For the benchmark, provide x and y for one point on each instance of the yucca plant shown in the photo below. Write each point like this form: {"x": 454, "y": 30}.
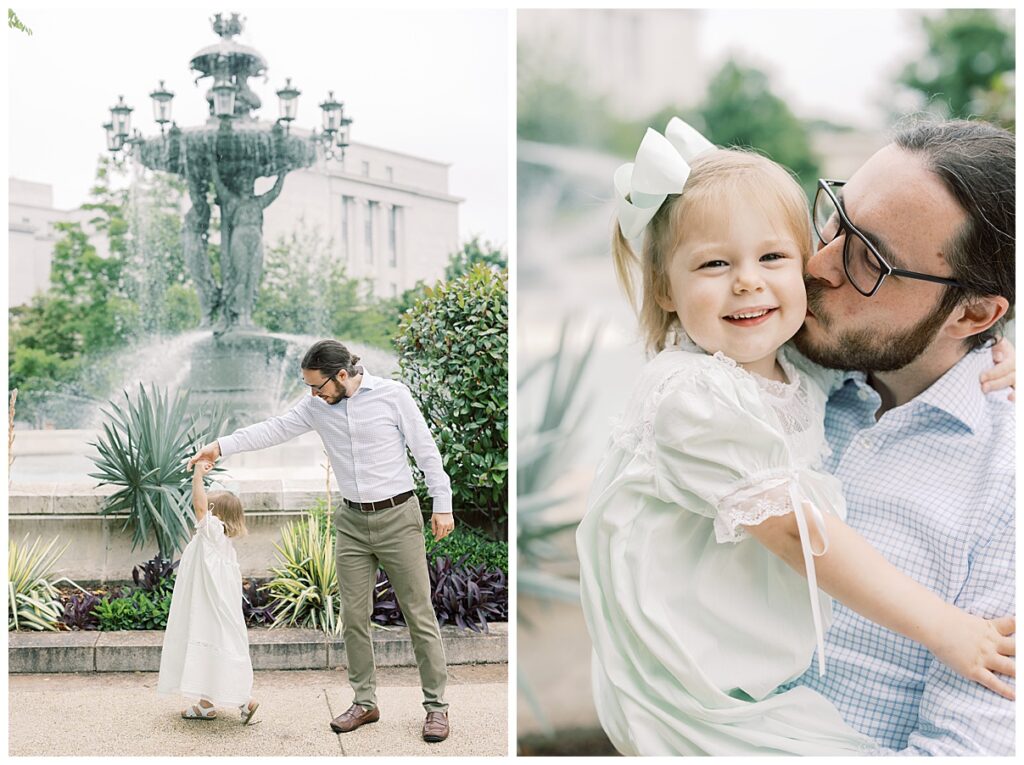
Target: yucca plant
{"x": 33, "y": 602}
{"x": 304, "y": 588}
{"x": 144, "y": 449}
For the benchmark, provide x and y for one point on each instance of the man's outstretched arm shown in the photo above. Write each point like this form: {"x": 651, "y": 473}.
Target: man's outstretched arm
{"x": 262, "y": 435}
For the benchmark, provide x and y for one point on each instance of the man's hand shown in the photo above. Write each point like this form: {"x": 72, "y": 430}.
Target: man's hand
{"x": 210, "y": 453}
{"x": 442, "y": 524}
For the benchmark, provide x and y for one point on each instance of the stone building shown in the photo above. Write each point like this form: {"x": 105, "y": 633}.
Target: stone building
{"x": 31, "y": 236}
{"x": 388, "y": 216}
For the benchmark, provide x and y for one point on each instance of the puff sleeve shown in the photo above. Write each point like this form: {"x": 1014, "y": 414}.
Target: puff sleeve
{"x": 719, "y": 452}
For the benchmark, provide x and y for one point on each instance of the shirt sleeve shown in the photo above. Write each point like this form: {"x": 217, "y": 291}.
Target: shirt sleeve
{"x": 271, "y": 432}
{"x": 719, "y": 453}
{"x": 424, "y": 450}
{"x": 958, "y": 716}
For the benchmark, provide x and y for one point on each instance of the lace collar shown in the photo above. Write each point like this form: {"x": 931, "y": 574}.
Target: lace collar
{"x": 782, "y": 391}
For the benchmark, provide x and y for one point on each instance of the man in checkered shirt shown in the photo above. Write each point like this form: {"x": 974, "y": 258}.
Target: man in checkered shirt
{"x": 912, "y": 278}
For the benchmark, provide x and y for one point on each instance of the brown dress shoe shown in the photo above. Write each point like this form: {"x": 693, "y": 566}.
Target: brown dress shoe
{"x": 435, "y": 728}
{"x": 353, "y": 717}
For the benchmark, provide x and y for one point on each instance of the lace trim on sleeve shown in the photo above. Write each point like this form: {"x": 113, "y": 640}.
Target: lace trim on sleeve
{"x": 751, "y": 506}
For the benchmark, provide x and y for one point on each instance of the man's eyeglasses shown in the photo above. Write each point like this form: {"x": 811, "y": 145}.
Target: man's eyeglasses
{"x": 320, "y": 387}
{"x": 865, "y": 267}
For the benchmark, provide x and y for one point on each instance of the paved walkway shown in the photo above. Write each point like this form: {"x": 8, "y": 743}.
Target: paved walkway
{"x": 121, "y": 714}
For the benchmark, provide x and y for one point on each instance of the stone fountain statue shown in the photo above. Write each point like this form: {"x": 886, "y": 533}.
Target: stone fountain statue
{"x": 228, "y": 154}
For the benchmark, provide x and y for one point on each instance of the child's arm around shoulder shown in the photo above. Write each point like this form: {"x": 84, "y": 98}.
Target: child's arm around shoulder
{"x": 199, "y": 501}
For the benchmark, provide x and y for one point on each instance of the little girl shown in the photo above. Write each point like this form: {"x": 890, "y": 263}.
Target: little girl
{"x": 694, "y": 623}
{"x": 206, "y": 646}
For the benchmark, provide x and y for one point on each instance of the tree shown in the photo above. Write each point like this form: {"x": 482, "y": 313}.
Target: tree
{"x": 740, "y": 109}
{"x": 968, "y": 68}
{"x": 474, "y": 251}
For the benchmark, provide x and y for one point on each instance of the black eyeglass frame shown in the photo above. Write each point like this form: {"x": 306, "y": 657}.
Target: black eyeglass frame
{"x": 886, "y": 269}
{"x": 320, "y": 387}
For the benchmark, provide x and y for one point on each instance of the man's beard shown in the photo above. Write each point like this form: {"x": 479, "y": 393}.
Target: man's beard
{"x": 862, "y": 349}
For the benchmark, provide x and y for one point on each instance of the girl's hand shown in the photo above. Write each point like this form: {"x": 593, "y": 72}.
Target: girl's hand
{"x": 978, "y": 648}
{"x": 203, "y": 467}
{"x": 1003, "y": 374}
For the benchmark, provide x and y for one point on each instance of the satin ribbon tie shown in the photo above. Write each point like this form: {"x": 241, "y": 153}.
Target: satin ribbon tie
{"x": 809, "y": 555}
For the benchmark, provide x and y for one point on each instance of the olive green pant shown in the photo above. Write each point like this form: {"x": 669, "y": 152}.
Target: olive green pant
{"x": 394, "y": 539}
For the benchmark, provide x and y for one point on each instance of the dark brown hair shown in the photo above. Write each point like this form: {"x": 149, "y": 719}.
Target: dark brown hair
{"x": 975, "y": 161}
{"x": 330, "y": 357}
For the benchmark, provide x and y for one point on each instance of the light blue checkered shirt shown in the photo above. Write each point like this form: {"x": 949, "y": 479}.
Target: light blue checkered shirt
{"x": 931, "y": 486}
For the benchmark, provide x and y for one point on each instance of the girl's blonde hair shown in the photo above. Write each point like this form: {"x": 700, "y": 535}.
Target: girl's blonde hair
{"x": 714, "y": 177}
{"x": 228, "y": 508}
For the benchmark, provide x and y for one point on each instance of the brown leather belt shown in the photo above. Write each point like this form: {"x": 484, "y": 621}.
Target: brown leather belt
{"x": 384, "y": 504}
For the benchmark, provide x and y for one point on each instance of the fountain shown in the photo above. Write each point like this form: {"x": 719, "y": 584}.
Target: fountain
{"x": 221, "y": 161}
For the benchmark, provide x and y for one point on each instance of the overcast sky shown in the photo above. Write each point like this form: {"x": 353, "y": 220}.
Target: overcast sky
{"x": 429, "y": 83}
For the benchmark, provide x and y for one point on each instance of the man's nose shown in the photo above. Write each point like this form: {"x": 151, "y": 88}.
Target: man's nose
{"x": 826, "y": 264}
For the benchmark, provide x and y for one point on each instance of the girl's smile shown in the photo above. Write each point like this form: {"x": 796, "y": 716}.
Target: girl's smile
{"x": 751, "y": 317}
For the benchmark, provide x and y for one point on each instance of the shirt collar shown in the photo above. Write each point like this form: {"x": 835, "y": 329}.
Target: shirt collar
{"x": 369, "y": 382}
{"x": 958, "y": 392}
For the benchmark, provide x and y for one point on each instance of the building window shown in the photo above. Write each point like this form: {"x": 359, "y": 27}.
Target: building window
{"x": 390, "y": 173}
{"x": 371, "y": 209}
{"x": 366, "y": 169}
{"x": 394, "y": 290}
{"x": 346, "y": 215}
{"x": 393, "y": 213}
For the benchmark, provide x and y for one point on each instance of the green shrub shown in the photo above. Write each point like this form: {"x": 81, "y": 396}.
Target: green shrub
{"x": 143, "y": 450}
{"x": 453, "y": 355}
{"x": 464, "y": 541}
{"x": 151, "y": 610}
{"x": 117, "y": 614}
{"x": 137, "y": 611}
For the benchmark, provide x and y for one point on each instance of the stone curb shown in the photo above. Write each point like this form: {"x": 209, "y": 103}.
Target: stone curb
{"x": 139, "y": 650}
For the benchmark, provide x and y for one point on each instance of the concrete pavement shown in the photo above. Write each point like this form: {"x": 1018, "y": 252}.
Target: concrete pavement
{"x": 121, "y": 714}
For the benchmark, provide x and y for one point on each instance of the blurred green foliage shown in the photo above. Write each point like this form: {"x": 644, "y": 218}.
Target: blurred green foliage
{"x": 968, "y": 68}
{"x": 738, "y": 109}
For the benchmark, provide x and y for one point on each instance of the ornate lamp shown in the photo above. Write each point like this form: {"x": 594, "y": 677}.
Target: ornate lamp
{"x": 288, "y": 101}
{"x": 161, "y": 105}
{"x": 113, "y": 139}
{"x": 121, "y": 117}
{"x": 331, "y": 114}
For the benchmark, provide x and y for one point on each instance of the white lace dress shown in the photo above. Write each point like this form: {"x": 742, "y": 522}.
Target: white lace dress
{"x": 206, "y": 646}
{"x": 694, "y": 623}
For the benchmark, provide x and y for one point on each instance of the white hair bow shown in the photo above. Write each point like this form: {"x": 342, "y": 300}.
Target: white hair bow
{"x": 661, "y": 168}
